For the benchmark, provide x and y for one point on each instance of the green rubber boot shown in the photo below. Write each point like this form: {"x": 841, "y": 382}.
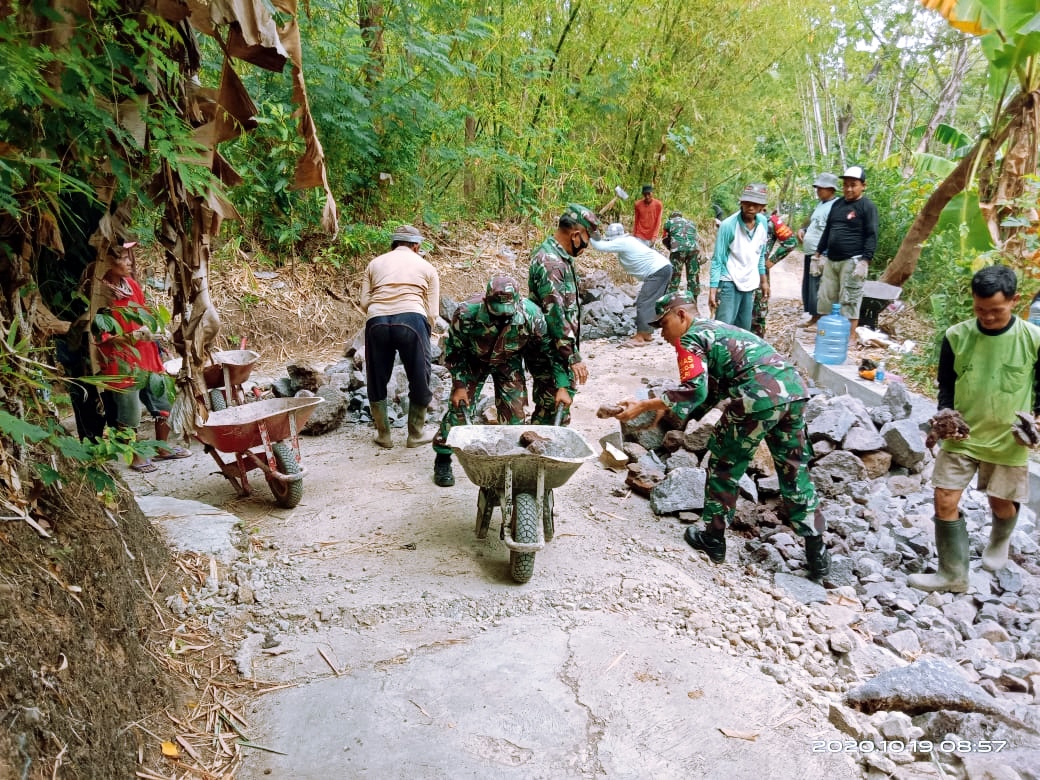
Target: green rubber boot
{"x": 951, "y": 542}
{"x": 995, "y": 556}
{"x": 416, "y": 420}
{"x": 382, "y": 423}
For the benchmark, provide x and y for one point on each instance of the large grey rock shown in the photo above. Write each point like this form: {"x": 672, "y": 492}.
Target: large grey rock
{"x": 327, "y": 416}
{"x": 832, "y": 425}
{"x": 834, "y": 471}
{"x": 905, "y": 441}
{"x": 862, "y": 439}
{"x": 925, "y": 685}
{"x": 681, "y": 490}
{"x": 866, "y": 661}
{"x": 799, "y": 588}
{"x": 897, "y": 401}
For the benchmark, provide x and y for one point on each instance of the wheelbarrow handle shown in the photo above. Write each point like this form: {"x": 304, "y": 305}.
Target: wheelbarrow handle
{"x": 464, "y": 408}
{"x": 560, "y": 411}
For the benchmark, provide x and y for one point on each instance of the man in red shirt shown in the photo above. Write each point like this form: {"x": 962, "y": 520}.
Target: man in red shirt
{"x": 647, "y": 226}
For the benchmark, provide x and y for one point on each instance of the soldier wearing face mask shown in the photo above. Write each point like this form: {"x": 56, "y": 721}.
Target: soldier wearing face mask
{"x": 552, "y": 284}
{"x": 493, "y": 335}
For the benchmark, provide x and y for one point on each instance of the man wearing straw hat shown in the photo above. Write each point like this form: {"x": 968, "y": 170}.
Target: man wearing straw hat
{"x": 400, "y": 296}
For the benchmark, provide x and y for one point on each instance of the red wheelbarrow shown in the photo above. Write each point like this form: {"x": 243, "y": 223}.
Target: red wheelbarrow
{"x": 223, "y": 377}
{"x": 261, "y": 435}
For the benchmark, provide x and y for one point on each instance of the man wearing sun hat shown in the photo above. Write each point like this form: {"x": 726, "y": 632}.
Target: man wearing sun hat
{"x": 826, "y": 185}
{"x": 766, "y": 402}
{"x": 491, "y": 336}
{"x": 552, "y": 283}
{"x": 400, "y": 296}
{"x": 738, "y": 266}
{"x": 847, "y": 246}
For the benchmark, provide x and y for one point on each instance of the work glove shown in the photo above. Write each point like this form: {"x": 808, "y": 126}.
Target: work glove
{"x": 816, "y": 266}
{"x": 947, "y": 424}
{"x": 1024, "y": 430}
{"x": 859, "y": 270}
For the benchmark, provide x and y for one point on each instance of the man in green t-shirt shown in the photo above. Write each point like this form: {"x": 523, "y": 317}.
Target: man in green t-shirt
{"x": 989, "y": 373}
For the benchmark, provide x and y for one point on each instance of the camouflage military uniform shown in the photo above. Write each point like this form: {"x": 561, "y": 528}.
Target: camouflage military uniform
{"x": 553, "y": 286}
{"x": 680, "y": 236}
{"x": 481, "y": 346}
{"x": 767, "y": 401}
{"x": 780, "y": 243}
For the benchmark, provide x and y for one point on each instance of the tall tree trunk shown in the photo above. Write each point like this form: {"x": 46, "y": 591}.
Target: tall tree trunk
{"x": 469, "y": 184}
{"x": 370, "y": 21}
{"x": 949, "y": 96}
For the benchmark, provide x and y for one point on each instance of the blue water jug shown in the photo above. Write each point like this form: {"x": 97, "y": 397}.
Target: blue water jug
{"x": 1034, "y": 312}
{"x": 832, "y": 338}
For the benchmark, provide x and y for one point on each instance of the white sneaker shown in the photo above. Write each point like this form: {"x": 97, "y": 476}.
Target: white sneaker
{"x": 806, "y": 316}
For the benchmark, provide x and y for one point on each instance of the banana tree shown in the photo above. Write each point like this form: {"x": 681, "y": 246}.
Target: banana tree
{"x": 1000, "y": 161}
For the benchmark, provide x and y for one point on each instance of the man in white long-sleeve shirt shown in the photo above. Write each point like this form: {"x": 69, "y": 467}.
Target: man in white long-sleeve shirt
{"x": 648, "y": 265}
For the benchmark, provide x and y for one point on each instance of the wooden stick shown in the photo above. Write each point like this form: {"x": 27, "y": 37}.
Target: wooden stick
{"x": 331, "y": 666}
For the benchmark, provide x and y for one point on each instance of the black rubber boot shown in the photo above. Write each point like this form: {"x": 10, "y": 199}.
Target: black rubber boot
{"x": 951, "y": 543}
{"x": 442, "y": 473}
{"x": 707, "y": 542}
{"x": 817, "y": 557}
{"x": 416, "y": 420}
{"x": 382, "y": 424}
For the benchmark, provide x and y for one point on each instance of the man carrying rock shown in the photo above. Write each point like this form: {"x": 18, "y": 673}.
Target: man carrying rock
{"x": 400, "y": 296}
{"x": 552, "y": 283}
{"x": 767, "y": 402}
{"x": 492, "y": 335}
{"x": 989, "y": 374}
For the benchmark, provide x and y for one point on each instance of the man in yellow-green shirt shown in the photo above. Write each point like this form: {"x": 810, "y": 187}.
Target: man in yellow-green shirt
{"x": 989, "y": 372}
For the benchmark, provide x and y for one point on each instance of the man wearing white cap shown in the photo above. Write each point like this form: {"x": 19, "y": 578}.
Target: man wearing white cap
{"x": 847, "y": 247}
{"x": 400, "y": 295}
{"x": 826, "y": 186}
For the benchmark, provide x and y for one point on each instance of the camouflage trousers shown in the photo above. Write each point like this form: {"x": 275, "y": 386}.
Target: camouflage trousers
{"x": 544, "y": 390}
{"x": 760, "y": 305}
{"x": 688, "y": 259}
{"x": 510, "y": 402}
{"x": 732, "y": 446}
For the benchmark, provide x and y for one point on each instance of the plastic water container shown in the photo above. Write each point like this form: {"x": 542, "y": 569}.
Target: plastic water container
{"x": 879, "y": 372}
{"x": 832, "y": 338}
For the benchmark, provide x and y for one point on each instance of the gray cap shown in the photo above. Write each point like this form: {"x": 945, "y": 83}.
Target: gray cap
{"x": 755, "y": 193}
{"x": 826, "y": 180}
{"x": 406, "y": 233}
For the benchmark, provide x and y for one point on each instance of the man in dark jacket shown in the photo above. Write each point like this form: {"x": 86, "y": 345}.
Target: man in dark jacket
{"x": 847, "y": 247}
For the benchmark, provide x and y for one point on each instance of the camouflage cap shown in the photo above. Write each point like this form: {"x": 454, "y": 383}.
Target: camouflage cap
{"x": 675, "y": 214}
{"x": 585, "y": 217}
{"x": 502, "y": 296}
{"x": 669, "y": 301}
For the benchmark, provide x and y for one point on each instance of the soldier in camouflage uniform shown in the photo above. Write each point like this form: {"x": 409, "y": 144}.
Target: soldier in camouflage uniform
{"x": 781, "y": 240}
{"x": 680, "y": 237}
{"x": 767, "y": 401}
{"x": 491, "y": 335}
{"x": 552, "y": 284}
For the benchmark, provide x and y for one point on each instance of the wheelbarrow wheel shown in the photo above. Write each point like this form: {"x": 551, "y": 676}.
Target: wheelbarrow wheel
{"x": 525, "y": 531}
{"x": 217, "y": 401}
{"x": 286, "y": 494}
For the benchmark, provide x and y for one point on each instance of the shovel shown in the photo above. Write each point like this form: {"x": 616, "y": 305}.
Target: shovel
{"x": 618, "y": 193}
